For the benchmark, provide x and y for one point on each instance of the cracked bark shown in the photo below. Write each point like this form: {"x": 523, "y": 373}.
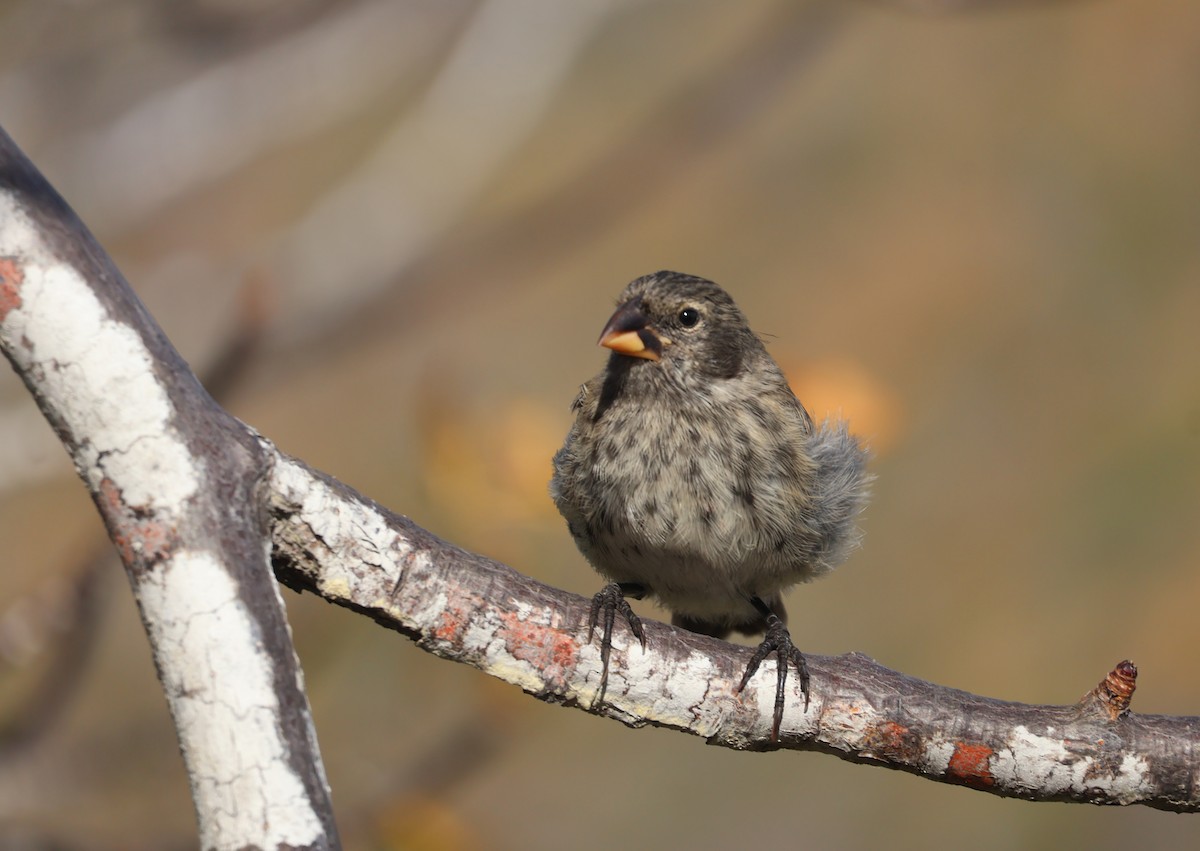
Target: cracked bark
{"x": 249, "y": 507}
{"x": 464, "y": 607}
{"x": 178, "y": 482}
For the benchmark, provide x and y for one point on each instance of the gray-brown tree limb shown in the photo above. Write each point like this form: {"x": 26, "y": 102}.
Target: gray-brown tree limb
{"x": 178, "y": 482}
{"x": 462, "y": 606}
{"x": 200, "y": 506}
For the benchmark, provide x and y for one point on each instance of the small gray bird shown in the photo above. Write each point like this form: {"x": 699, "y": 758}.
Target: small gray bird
{"x": 693, "y": 474}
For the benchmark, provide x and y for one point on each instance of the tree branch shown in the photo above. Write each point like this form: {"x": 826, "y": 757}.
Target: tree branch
{"x": 462, "y": 606}
{"x": 195, "y": 501}
{"x": 178, "y": 483}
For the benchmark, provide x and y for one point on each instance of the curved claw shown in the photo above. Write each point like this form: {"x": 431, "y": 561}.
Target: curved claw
{"x": 778, "y": 641}
{"x": 609, "y": 600}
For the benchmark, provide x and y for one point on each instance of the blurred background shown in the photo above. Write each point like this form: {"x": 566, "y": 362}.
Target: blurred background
{"x": 388, "y": 235}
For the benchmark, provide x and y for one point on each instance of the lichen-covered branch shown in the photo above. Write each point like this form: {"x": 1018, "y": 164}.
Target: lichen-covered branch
{"x": 178, "y": 483}
{"x": 462, "y": 606}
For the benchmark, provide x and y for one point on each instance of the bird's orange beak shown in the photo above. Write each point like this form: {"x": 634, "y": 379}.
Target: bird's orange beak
{"x": 628, "y": 333}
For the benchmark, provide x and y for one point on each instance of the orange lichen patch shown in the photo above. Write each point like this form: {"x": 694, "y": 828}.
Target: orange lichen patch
{"x": 893, "y": 742}
{"x": 149, "y": 540}
{"x": 110, "y": 496}
{"x": 547, "y": 649}
{"x": 454, "y": 621}
{"x": 12, "y": 277}
{"x": 970, "y": 764}
{"x": 140, "y": 541}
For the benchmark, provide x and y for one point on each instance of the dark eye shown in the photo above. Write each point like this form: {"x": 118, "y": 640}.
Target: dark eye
{"x": 688, "y": 317}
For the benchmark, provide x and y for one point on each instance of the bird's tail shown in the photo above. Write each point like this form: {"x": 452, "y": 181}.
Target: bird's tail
{"x": 843, "y": 486}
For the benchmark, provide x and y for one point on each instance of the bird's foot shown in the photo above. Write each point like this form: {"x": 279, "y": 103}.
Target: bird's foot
{"x": 609, "y": 601}
{"x": 778, "y": 641}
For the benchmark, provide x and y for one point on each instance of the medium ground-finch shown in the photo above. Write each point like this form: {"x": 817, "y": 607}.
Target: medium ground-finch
{"x": 693, "y": 474}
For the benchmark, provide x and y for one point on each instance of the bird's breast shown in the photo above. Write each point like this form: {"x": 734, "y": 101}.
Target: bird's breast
{"x": 681, "y": 498}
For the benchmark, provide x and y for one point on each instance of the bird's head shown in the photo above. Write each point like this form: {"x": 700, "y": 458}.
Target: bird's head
{"x": 683, "y": 323}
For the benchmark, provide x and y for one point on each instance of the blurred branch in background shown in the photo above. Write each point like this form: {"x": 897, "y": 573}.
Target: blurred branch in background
{"x": 182, "y": 137}
{"x": 697, "y": 115}
{"x": 946, "y": 7}
{"x": 362, "y": 231}
{"x": 393, "y": 206}
{"x": 367, "y": 257}
{"x": 52, "y": 632}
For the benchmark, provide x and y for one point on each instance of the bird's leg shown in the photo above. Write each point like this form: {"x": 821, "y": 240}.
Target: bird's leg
{"x": 778, "y": 641}
{"x": 610, "y": 600}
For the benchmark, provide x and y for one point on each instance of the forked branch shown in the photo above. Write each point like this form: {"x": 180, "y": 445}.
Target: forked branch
{"x": 196, "y": 502}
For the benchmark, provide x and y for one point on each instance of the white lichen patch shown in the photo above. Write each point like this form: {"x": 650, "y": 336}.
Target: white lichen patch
{"x": 479, "y": 634}
{"x": 96, "y": 374}
{"x": 219, "y": 681}
{"x": 355, "y": 535}
{"x": 938, "y": 753}
{"x": 1045, "y": 765}
{"x": 1137, "y": 784}
{"x": 670, "y": 694}
{"x": 851, "y": 722}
